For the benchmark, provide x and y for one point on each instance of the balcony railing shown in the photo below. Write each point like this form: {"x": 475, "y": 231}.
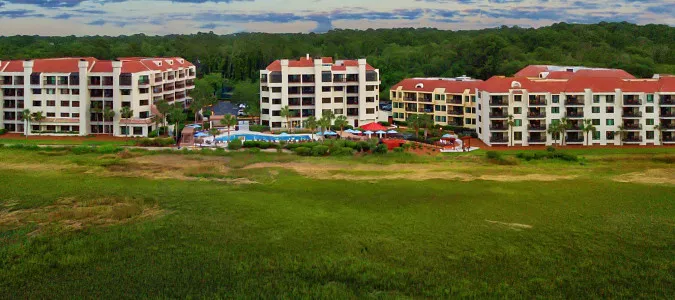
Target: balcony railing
{"x": 632, "y": 114}
{"x": 537, "y": 102}
{"x": 498, "y": 115}
{"x": 632, "y": 139}
{"x": 409, "y": 99}
{"x": 537, "y": 115}
{"x": 575, "y": 127}
{"x": 669, "y": 138}
{"x": 573, "y": 139}
{"x": 143, "y": 81}
{"x": 536, "y": 139}
{"x": 575, "y": 114}
{"x": 667, "y": 101}
{"x": 498, "y": 102}
{"x": 668, "y": 125}
{"x": 455, "y": 112}
{"x": 411, "y": 109}
{"x": 574, "y": 101}
{"x": 632, "y": 101}
{"x": 536, "y": 127}
{"x": 498, "y": 127}
{"x": 497, "y": 139}
{"x": 630, "y": 126}
{"x": 668, "y": 114}
{"x": 454, "y": 101}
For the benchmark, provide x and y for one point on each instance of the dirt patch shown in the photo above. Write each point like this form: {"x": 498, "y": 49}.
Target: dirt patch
{"x": 70, "y": 214}
{"x": 513, "y": 226}
{"x": 651, "y": 176}
{"x": 416, "y": 172}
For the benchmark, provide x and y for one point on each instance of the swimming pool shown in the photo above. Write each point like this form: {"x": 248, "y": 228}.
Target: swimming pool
{"x": 265, "y": 137}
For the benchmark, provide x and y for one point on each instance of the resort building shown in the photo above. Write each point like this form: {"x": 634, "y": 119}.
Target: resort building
{"x": 73, "y": 93}
{"x": 310, "y": 87}
{"x": 623, "y": 110}
{"x": 450, "y": 101}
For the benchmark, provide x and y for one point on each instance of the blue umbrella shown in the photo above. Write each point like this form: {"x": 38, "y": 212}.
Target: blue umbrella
{"x": 447, "y": 135}
{"x": 201, "y": 134}
{"x": 193, "y": 126}
{"x": 319, "y": 133}
{"x": 330, "y": 133}
{"x": 368, "y": 132}
{"x": 283, "y": 133}
{"x": 392, "y": 131}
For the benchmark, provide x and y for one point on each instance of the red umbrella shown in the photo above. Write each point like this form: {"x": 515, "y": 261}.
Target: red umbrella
{"x": 374, "y": 127}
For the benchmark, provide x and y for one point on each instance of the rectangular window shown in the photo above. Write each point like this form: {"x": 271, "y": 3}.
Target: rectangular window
{"x": 473, "y": 99}
{"x": 338, "y": 111}
{"x": 517, "y": 136}
{"x": 144, "y": 102}
{"x": 516, "y": 110}
{"x": 65, "y": 115}
{"x": 370, "y": 99}
{"x": 518, "y": 122}
{"x": 144, "y": 114}
{"x": 650, "y": 135}
{"x": 65, "y": 103}
{"x": 370, "y": 88}
{"x": 37, "y": 91}
{"x": 125, "y": 92}
{"x": 556, "y": 99}
{"x": 609, "y": 109}
{"x": 64, "y": 91}
{"x": 337, "y": 100}
{"x": 467, "y": 110}
{"x": 555, "y": 110}
{"x": 596, "y": 99}
{"x": 276, "y": 90}
{"x": 51, "y": 114}
{"x": 595, "y": 109}
{"x": 276, "y": 113}
{"x": 325, "y": 100}
{"x": 265, "y": 100}
{"x": 51, "y": 102}
{"x": 650, "y": 98}
{"x": 596, "y": 135}
{"x": 596, "y": 122}
{"x": 276, "y": 101}
{"x": 517, "y": 98}
{"x": 143, "y": 90}
{"x": 50, "y": 91}
{"x": 325, "y": 89}
{"x": 75, "y": 92}
{"x": 342, "y": 88}
{"x": 75, "y": 115}
{"x": 650, "y": 121}
{"x": 609, "y": 122}
{"x": 138, "y": 130}
{"x": 370, "y": 110}
{"x": 75, "y": 104}
{"x": 649, "y": 109}
{"x": 609, "y": 99}
{"x": 609, "y": 135}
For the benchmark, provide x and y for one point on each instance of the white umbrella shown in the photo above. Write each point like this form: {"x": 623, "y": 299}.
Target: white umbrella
{"x": 381, "y": 132}
{"x": 368, "y": 132}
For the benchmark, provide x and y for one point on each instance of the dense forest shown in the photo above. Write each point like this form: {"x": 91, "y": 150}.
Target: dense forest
{"x": 398, "y": 53}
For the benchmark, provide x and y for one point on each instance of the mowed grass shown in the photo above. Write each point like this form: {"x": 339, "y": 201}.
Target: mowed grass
{"x": 74, "y": 141}
{"x": 298, "y": 237}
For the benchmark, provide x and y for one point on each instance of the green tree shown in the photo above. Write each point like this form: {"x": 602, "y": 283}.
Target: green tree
{"x": 26, "y": 118}
{"x": 564, "y": 125}
{"x": 163, "y": 108}
{"x": 157, "y": 120}
{"x": 214, "y": 132}
{"x": 38, "y": 117}
{"x": 202, "y": 96}
{"x": 177, "y": 116}
{"x": 286, "y": 113}
{"x": 108, "y": 115}
{"x": 96, "y": 109}
{"x": 510, "y": 124}
{"x": 126, "y": 113}
{"x": 659, "y": 128}
{"x": 622, "y": 133}
{"x": 311, "y": 123}
{"x": 341, "y": 122}
{"x": 554, "y": 129}
{"x": 415, "y": 122}
{"x": 588, "y": 128}
{"x": 228, "y": 121}
{"x": 325, "y": 122}
{"x": 426, "y": 122}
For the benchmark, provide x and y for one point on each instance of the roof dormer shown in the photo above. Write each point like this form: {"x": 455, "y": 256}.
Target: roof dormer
{"x": 419, "y": 86}
{"x": 515, "y": 85}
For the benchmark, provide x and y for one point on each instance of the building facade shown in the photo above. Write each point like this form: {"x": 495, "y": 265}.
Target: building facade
{"x": 72, "y": 93}
{"x": 310, "y": 87}
{"x": 449, "y": 101}
{"x": 623, "y": 110}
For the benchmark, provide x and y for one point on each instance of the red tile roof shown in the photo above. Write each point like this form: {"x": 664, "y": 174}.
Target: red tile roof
{"x": 577, "y": 84}
{"x": 667, "y": 84}
{"x": 642, "y": 85}
{"x": 598, "y": 85}
{"x": 501, "y": 84}
{"x": 338, "y": 68}
{"x": 327, "y": 60}
{"x": 617, "y": 73}
{"x": 303, "y": 62}
{"x": 13, "y": 66}
{"x": 102, "y": 66}
{"x": 70, "y": 65}
{"x": 59, "y": 65}
{"x": 531, "y": 71}
{"x": 133, "y": 67}
{"x": 275, "y": 66}
{"x": 553, "y": 86}
{"x": 429, "y": 85}
{"x": 559, "y": 75}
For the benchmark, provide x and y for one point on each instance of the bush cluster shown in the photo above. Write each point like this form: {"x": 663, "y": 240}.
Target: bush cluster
{"x": 3, "y": 131}
{"x": 497, "y": 158}
{"x": 154, "y": 142}
{"x": 259, "y": 144}
{"x": 234, "y": 144}
{"x": 549, "y": 154}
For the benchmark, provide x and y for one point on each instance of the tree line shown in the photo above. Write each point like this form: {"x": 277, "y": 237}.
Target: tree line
{"x": 398, "y": 53}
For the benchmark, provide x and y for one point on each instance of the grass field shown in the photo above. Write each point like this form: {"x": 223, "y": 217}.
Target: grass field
{"x": 158, "y": 225}
{"x": 72, "y": 141}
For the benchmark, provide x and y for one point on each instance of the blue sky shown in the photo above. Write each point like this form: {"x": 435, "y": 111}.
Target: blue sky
{"x": 115, "y": 17}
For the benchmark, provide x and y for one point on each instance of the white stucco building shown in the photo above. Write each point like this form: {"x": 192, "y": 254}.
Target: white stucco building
{"x": 310, "y": 87}
{"x": 72, "y": 92}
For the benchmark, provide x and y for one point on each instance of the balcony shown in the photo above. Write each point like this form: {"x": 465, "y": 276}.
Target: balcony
{"x": 158, "y": 78}
{"x": 575, "y": 126}
{"x": 536, "y": 127}
{"x": 498, "y": 127}
{"x": 455, "y": 112}
{"x": 574, "y": 139}
{"x": 143, "y": 81}
{"x": 632, "y": 126}
{"x": 499, "y": 140}
{"x": 411, "y": 109}
{"x": 632, "y": 101}
{"x": 498, "y": 102}
{"x": 574, "y": 101}
{"x": 537, "y": 115}
{"x": 537, "y": 102}
{"x": 668, "y": 126}
{"x": 632, "y": 139}
{"x": 499, "y": 115}
{"x": 425, "y": 110}
{"x": 669, "y": 139}
{"x": 667, "y": 101}
{"x": 574, "y": 114}
{"x": 537, "y": 140}
{"x": 632, "y": 114}
{"x": 667, "y": 114}
{"x": 454, "y": 100}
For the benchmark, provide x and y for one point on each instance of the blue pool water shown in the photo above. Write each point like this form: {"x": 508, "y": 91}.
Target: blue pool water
{"x": 261, "y": 137}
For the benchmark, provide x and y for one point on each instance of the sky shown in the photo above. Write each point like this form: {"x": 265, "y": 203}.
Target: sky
{"x": 161, "y": 17}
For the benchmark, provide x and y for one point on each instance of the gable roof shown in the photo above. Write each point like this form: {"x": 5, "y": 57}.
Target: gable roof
{"x": 565, "y": 72}
{"x": 305, "y": 62}
{"x": 60, "y": 65}
{"x": 430, "y": 84}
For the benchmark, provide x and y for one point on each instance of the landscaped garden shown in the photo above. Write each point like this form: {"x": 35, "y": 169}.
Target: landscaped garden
{"x": 116, "y": 223}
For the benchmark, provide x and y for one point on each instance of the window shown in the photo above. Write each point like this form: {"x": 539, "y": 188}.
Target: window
{"x": 480, "y": 119}
{"x": 609, "y": 135}
{"x": 144, "y": 102}
{"x": 75, "y": 104}
{"x": 276, "y": 124}
{"x": 518, "y": 122}
{"x": 138, "y": 130}
{"x": 649, "y": 109}
{"x": 556, "y": 99}
{"x": 517, "y": 98}
{"x": 609, "y": 109}
{"x": 51, "y": 102}
{"x": 142, "y": 91}
{"x": 50, "y": 91}
{"x": 650, "y": 121}
{"x": 467, "y": 110}
{"x": 650, "y": 98}
{"x": 51, "y": 114}
{"x": 517, "y": 136}
{"x": 37, "y": 91}
{"x": 75, "y": 115}
{"x": 325, "y": 111}
{"x": 65, "y": 103}
{"x": 370, "y": 88}
{"x": 126, "y": 104}
{"x": 596, "y": 99}
{"x": 325, "y": 100}
{"x": 370, "y": 110}
{"x": 337, "y": 100}
{"x": 265, "y": 88}
{"x": 596, "y": 135}
{"x": 596, "y": 122}
{"x": 370, "y": 99}
{"x": 338, "y": 111}
{"x": 609, "y": 122}
{"x": 609, "y": 98}
{"x": 516, "y": 110}
{"x": 64, "y": 91}
{"x": 276, "y": 90}
{"x": 65, "y": 115}
{"x": 467, "y": 121}
{"x": 265, "y": 99}
{"x": 276, "y": 113}
{"x": 339, "y": 88}
{"x": 555, "y": 110}
{"x": 125, "y": 92}
{"x": 480, "y": 106}
{"x": 276, "y": 101}
{"x": 144, "y": 114}
{"x": 75, "y": 92}
{"x": 595, "y": 109}
{"x": 473, "y": 99}
{"x": 265, "y": 111}
{"x": 650, "y": 134}
{"x": 325, "y": 89}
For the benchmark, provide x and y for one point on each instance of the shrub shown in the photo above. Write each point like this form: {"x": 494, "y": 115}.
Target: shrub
{"x": 319, "y": 150}
{"x": 303, "y": 151}
{"x": 234, "y": 144}
{"x": 253, "y": 150}
{"x": 3, "y": 131}
{"x": 251, "y": 144}
{"x": 82, "y": 150}
{"x": 259, "y": 128}
{"x": 406, "y": 146}
{"x": 364, "y": 146}
{"x": 493, "y": 155}
{"x": 108, "y": 149}
{"x": 550, "y": 149}
{"x": 383, "y": 123}
{"x": 474, "y": 135}
{"x": 401, "y": 123}
{"x": 154, "y": 142}
{"x": 380, "y": 149}
{"x": 398, "y": 149}
{"x": 153, "y": 134}
{"x": 342, "y": 151}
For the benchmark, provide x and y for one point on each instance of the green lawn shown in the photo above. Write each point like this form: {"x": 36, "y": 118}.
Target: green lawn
{"x": 292, "y": 236}
{"x": 64, "y": 142}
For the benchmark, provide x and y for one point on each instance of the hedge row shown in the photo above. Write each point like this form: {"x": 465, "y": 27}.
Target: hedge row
{"x": 154, "y": 142}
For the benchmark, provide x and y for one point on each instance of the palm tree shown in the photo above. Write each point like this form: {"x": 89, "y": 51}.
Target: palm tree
{"x": 341, "y": 122}
{"x": 414, "y": 121}
{"x": 157, "y": 120}
{"x": 95, "y": 109}
{"x": 311, "y": 124}
{"x": 324, "y": 123}
{"x": 228, "y": 121}
{"x": 426, "y": 122}
{"x": 26, "y": 118}
{"x": 659, "y": 129}
{"x": 286, "y": 113}
{"x": 588, "y": 127}
{"x": 621, "y": 132}
{"x": 38, "y": 117}
{"x": 511, "y": 123}
{"x": 554, "y": 129}
{"x": 126, "y": 113}
{"x": 108, "y": 114}
{"x": 163, "y": 108}
{"x": 177, "y": 115}
{"x": 214, "y": 132}
{"x": 564, "y": 125}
